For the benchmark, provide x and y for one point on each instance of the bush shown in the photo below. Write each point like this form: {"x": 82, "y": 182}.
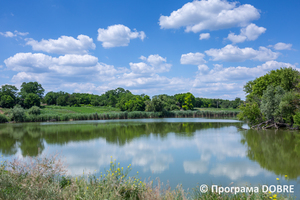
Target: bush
{"x": 297, "y": 118}
{"x": 34, "y": 110}
{"x": 3, "y": 118}
{"x": 18, "y": 113}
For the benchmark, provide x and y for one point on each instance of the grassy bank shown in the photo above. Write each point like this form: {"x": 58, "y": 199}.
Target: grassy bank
{"x": 44, "y": 178}
{"x": 58, "y": 113}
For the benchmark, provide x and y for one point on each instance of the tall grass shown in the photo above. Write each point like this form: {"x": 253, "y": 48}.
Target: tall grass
{"x": 44, "y": 178}
{"x": 119, "y": 115}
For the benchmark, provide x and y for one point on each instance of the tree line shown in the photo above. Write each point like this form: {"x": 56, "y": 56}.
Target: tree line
{"x": 32, "y": 94}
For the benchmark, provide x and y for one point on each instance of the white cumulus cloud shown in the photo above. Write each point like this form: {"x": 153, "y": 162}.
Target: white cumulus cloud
{"x": 152, "y": 64}
{"x": 192, "y": 59}
{"x": 282, "y": 46}
{"x": 204, "y": 36}
{"x": 233, "y": 53}
{"x": 209, "y": 15}
{"x": 118, "y": 35}
{"x": 63, "y": 45}
{"x": 250, "y": 33}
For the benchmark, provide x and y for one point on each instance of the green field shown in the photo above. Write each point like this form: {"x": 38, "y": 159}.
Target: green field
{"x": 59, "y": 110}
{"x": 218, "y": 109}
{"x": 84, "y": 109}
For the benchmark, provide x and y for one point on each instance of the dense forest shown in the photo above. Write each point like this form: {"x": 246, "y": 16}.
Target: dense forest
{"x": 273, "y": 100}
{"x": 31, "y": 94}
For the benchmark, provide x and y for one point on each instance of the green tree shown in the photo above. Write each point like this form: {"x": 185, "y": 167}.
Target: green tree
{"x": 189, "y": 101}
{"x": 287, "y": 78}
{"x": 50, "y": 98}
{"x": 270, "y": 102}
{"x": 62, "y": 100}
{"x": 7, "y": 101}
{"x": 73, "y": 101}
{"x": 251, "y": 113}
{"x": 9, "y": 90}
{"x": 155, "y": 105}
{"x": 31, "y": 87}
{"x": 32, "y": 99}
{"x": 288, "y": 106}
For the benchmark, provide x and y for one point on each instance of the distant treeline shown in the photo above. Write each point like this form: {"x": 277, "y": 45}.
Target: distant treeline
{"x": 31, "y": 94}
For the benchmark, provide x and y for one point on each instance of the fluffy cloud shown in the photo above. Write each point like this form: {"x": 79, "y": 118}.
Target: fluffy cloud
{"x": 38, "y": 62}
{"x": 26, "y": 77}
{"x": 64, "y": 45}
{"x": 209, "y": 15}
{"x": 152, "y": 64}
{"x": 69, "y": 68}
{"x": 232, "y": 53}
{"x": 282, "y": 46}
{"x": 118, "y": 35}
{"x": 251, "y": 32}
{"x": 204, "y": 36}
{"x": 192, "y": 59}
{"x": 221, "y": 82}
{"x": 15, "y": 34}
{"x": 234, "y": 74}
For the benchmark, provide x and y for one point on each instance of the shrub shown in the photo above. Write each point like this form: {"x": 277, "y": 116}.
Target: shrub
{"x": 34, "y": 110}
{"x": 297, "y": 118}
{"x": 18, "y": 113}
{"x": 3, "y": 118}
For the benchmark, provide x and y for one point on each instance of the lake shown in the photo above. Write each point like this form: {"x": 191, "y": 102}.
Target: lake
{"x": 187, "y": 151}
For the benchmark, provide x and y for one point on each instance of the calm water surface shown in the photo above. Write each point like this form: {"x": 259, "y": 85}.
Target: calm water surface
{"x": 187, "y": 151}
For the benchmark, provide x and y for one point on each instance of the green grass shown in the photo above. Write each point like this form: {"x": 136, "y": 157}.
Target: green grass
{"x": 66, "y": 113}
{"x": 58, "y": 110}
{"x": 218, "y": 109}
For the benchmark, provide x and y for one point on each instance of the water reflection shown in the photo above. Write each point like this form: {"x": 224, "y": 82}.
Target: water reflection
{"x": 29, "y": 137}
{"x": 276, "y": 151}
{"x": 184, "y": 151}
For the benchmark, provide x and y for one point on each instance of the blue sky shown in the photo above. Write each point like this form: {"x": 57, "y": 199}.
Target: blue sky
{"x": 209, "y": 47}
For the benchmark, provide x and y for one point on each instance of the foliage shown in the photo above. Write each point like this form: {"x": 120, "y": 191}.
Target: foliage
{"x": 270, "y": 102}
{"x": 155, "y": 105}
{"x": 287, "y": 78}
{"x": 9, "y": 90}
{"x": 276, "y": 94}
{"x": 31, "y": 87}
{"x": 51, "y": 97}
{"x": 73, "y": 101}
{"x": 186, "y": 100}
{"x": 296, "y": 118}
{"x": 62, "y": 100}
{"x": 34, "y": 110}
{"x": 189, "y": 101}
{"x": 7, "y": 101}
{"x": 250, "y": 112}
{"x": 32, "y": 100}
{"x": 288, "y": 106}
{"x": 18, "y": 113}
{"x": 3, "y": 118}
